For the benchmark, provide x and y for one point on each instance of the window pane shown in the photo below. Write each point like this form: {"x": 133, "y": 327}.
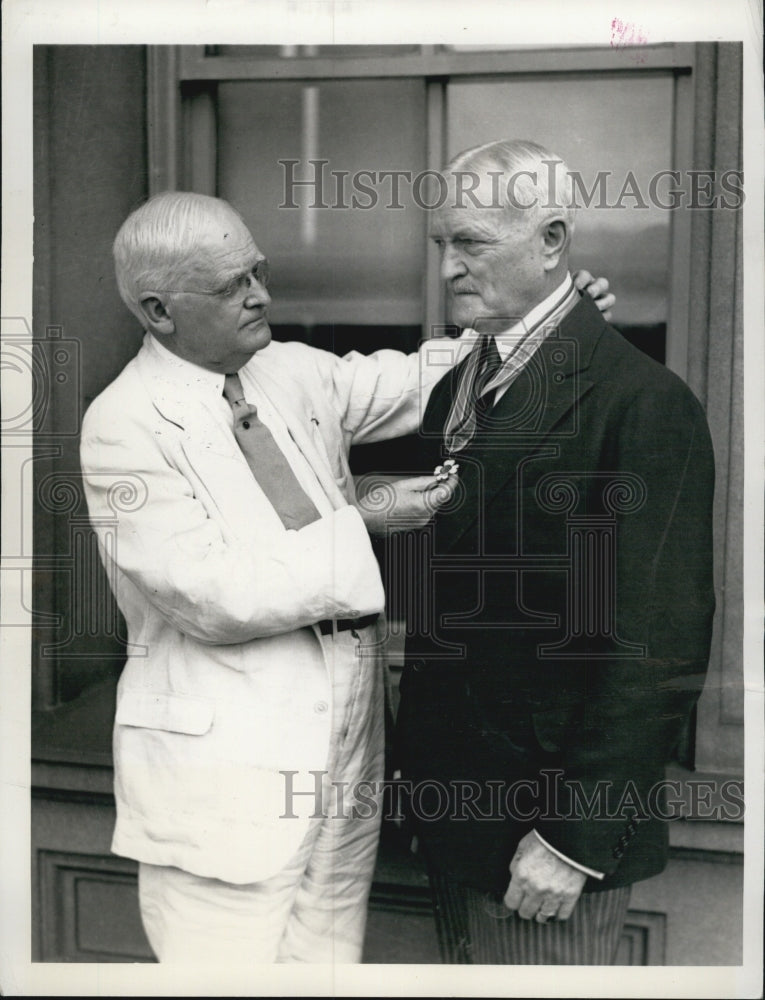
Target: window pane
{"x": 335, "y": 264}
{"x": 613, "y": 124}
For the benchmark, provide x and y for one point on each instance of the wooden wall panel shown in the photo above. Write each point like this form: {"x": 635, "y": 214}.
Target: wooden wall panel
{"x": 84, "y": 898}
{"x": 89, "y": 907}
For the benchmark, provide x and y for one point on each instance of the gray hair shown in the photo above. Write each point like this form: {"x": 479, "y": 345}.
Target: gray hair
{"x": 155, "y": 243}
{"x": 547, "y": 187}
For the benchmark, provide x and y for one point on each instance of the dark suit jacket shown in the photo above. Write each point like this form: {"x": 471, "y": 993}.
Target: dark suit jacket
{"x": 564, "y": 616}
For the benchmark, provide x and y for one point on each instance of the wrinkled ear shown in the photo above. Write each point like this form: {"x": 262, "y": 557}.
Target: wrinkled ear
{"x": 555, "y": 237}
{"x": 156, "y": 314}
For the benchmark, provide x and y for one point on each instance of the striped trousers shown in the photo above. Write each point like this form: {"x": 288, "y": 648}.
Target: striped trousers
{"x": 475, "y": 928}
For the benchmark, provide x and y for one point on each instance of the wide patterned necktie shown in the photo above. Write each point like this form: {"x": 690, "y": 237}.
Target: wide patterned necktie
{"x": 267, "y": 461}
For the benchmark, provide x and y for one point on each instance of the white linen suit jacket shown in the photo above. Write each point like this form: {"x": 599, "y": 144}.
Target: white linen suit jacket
{"x": 226, "y": 682}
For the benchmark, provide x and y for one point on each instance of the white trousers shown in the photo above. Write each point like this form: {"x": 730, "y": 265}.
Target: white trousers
{"x": 314, "y": 909}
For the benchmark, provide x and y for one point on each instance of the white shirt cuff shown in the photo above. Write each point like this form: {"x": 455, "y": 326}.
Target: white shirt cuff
{"x": 574, "y": 864}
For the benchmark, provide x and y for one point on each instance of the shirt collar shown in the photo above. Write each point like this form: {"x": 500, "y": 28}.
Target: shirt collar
{"x": 186, "y": 372}
{"x": 508, "y": 339}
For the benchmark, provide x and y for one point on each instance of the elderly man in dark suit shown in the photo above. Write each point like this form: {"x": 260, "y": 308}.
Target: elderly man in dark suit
{"x": 566, "y": 631}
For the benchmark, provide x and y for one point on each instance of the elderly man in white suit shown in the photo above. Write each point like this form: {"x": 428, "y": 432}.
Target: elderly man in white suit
{"x": 255, "y": 667}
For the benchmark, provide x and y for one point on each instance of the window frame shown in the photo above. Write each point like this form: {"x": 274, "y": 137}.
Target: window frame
{"x": 182, "y": 124}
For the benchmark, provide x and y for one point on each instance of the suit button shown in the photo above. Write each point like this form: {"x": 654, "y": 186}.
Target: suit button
{"x": 354, "y": 614}
{"x": 320, "y": 707}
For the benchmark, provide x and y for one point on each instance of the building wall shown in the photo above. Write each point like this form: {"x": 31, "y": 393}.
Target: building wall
{"x": 90, "y": 171}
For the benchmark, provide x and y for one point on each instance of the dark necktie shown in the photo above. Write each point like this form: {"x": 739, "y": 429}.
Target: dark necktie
{"x": 267, "y": 461}
{"x": 471, "y": 401}
{"x": 491, "y": 362}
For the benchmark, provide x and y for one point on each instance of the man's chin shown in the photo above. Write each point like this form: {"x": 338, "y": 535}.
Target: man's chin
{"x": 465, "y": 310}
{"x": 260, "y": 331}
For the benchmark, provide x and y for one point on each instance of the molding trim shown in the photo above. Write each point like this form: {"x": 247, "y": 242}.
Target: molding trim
{"x": 163, "y": 118}
{"x": 196, "y": 64}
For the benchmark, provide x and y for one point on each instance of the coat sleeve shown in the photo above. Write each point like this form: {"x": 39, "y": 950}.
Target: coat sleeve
{"x": 384, "y": 394}
{"x": 203, "y": 583}
{"x": 615, "y": 747}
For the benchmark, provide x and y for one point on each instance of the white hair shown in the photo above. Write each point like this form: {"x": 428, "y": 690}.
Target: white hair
{"x": 529, "y": 175}
{"x": 155, "y": 243}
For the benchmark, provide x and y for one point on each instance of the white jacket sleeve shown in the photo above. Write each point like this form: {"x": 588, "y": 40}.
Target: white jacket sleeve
{"x": 206, "y": 584}
{"x": 384, "y": 394}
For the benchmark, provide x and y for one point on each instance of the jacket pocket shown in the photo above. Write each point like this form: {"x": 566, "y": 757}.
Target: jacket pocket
{"x": 170, "y": 712}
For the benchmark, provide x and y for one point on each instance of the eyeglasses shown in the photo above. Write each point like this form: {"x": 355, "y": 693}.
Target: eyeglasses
{"x": 238, "y": 288}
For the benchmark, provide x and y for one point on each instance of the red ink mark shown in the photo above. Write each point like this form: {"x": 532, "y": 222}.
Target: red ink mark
{"x": 625, "y": 34}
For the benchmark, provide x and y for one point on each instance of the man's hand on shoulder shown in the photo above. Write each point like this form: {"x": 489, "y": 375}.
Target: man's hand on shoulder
{"x": 542, "y": 886}
{"x": 397, "y": 504}
{"x": 597, "y": 288}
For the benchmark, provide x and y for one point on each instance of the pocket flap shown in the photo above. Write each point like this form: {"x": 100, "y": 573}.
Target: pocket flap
{"x": 173, "y": 713}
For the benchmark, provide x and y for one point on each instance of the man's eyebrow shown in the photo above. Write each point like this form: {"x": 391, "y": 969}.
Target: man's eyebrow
{"x": 463, "y": 233}
{"x": 227, "y": 275}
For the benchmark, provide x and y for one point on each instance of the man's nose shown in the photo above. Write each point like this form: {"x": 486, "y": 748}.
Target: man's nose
{"x": 257, "y": 296}
{"x": 452, "y": 264}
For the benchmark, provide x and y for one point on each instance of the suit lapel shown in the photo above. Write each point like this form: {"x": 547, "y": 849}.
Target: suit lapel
{"x": 539, "y": 408}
